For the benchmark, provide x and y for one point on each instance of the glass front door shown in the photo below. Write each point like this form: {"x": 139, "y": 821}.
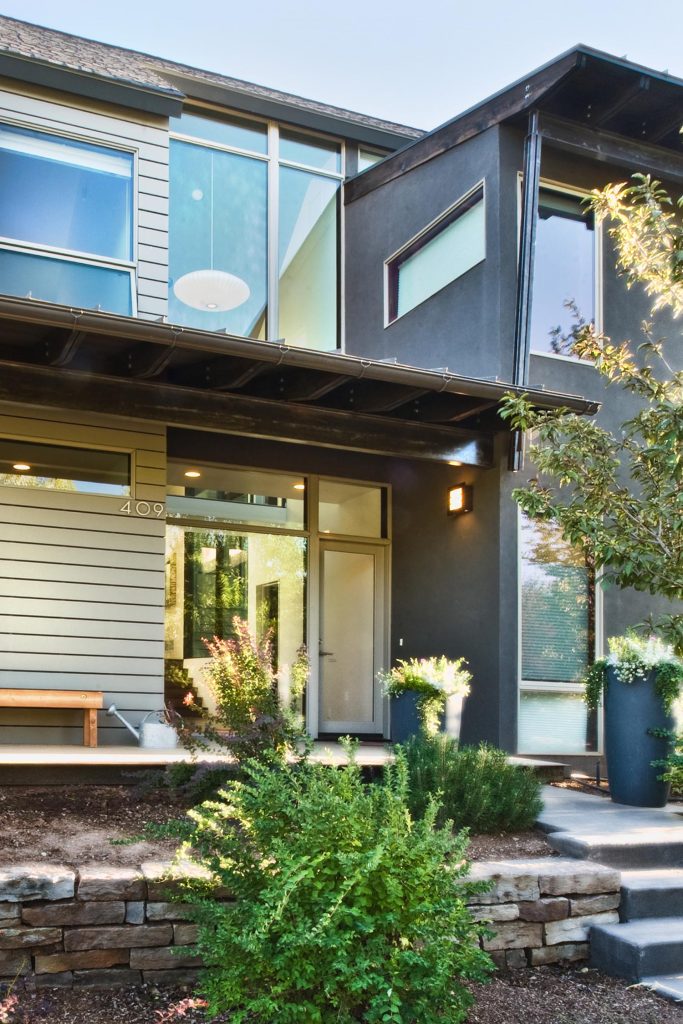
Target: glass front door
{"x": 352, "y": 578}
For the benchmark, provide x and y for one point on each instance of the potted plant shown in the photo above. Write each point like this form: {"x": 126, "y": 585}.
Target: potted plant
{"x": 640, "y": 681}
{"x": 426, "y": 694}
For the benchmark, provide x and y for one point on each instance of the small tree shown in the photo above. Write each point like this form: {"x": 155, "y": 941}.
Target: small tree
{"x": 620, "y": 495}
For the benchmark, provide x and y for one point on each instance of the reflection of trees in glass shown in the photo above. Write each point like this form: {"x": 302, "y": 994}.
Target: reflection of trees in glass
{"x": 215, "y": 586}
{"x": 26, "y": 480}
{"x": 557, "y": 605}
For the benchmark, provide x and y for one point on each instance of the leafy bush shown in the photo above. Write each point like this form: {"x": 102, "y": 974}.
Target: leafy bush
{"x": 673, "y": 764}
{"x": 478, "y": 789}
{"x": 249, "y": 719}
{"x": 346, "y": 908}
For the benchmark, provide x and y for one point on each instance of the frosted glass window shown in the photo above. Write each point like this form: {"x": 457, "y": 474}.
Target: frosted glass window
{"x": 439, "y": 256}
{"x": 352, "y": 509}
{"x": 564, "y": 272}
{"x": 555, "y": 723}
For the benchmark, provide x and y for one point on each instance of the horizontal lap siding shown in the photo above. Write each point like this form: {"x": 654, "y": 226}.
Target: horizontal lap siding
{"x": 116, "y": 127}
{"x": 81, "y": 583}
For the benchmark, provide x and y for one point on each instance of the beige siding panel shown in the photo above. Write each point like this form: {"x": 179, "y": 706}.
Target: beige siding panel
{"x": 154, "y": 272}
{"x": 100, "y": 575}
{"x": 114, "y": 630}
{"x": 153, "y": 254}
{"x": 106, "y": 736}
{"x": 69, "y": 556}
{"x": 153, "y": 170}
{"x": 155, "y": 288}
{"x": 150, "y": 236}
{"x": 146, "y": 460}
{"x": 36, "y": 661}
{"x": 85, "y": 680}
{"x": 80, "y": 611}
{"x": 121, "y": 650}
{"x": 153, "y": 204}
{"x": 75, "y": 539}
{"x": 50, "y": 424}
{"x": 114, "y": 524}
{"x": 154, "y": 187}
{"x": 152, "y": 309}
{"x": 158, "y": 221}
{"x": 55, "y": 590}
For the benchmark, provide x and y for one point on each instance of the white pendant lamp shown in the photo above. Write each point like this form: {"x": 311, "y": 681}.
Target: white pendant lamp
{"x": 212, "y": 291}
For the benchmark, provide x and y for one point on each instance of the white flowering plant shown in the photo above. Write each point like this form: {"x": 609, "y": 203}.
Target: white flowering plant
{"x": 434, "y": 680}
{"x": 632, "y": 658}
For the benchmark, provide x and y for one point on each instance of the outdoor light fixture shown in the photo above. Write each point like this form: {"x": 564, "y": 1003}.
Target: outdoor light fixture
{"x": 193, "y": 473}
{"x": 299, "y": 487}
{"x": 21, "y": 467}
{"x": 459, "y": 499}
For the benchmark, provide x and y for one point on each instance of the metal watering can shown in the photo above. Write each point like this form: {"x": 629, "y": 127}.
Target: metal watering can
{"x": 152, "y": 735}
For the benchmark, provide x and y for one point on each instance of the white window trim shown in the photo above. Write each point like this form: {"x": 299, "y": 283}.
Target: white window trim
{"x": 444, "y": 215}
{"x": 74, "y": 255}
{"x": 598, "y": 297}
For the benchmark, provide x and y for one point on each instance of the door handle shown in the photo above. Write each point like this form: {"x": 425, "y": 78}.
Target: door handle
{"x": 325, "y": 654}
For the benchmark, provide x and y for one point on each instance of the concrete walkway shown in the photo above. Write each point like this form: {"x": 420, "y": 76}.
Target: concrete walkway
{"x": 647, "y": 844}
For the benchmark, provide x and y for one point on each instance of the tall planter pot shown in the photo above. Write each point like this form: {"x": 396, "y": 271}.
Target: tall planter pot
{"x": 631, "y": 710}
{"x": 405, "y": 720}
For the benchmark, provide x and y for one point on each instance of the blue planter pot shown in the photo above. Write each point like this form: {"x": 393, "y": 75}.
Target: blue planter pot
{"x": 631, "y": 709}
{"x": 405, "y": 721}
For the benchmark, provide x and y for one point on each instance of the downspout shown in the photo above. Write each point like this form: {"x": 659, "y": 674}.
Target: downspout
{"x": 525, "y": 273}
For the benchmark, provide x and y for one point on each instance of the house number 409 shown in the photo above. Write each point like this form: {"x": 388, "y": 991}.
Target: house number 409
{"x": 143, "y": 508}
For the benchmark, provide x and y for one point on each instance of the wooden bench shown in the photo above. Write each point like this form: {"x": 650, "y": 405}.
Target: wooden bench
{"x": 88, "y": 700}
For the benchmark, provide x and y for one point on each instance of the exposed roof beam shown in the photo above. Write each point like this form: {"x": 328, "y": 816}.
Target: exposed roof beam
{"x": 239, "y": 414}
{"x": 627, "y": 96}
{"x": 666, "y": 126}
{"x": 614, "y": 149}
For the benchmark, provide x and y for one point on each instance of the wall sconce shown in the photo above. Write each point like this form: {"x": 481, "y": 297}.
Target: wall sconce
{"x": 460, "y": 499}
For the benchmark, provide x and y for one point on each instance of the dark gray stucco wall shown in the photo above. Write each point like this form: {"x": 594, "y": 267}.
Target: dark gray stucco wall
{"x": 445, "y": 570}
{"x": 459, "y": 326}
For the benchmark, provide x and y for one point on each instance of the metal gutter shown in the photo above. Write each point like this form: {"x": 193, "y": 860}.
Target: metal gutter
{"x": 278, "y": 354}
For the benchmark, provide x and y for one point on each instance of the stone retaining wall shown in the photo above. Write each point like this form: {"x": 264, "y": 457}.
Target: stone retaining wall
{"x": 542, "y": 910}
{"x": 99, "y": 926}
{"x": 95, "y": 926}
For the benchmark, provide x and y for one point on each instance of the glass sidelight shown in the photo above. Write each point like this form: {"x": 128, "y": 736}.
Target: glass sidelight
{"x": 351, "y": 637}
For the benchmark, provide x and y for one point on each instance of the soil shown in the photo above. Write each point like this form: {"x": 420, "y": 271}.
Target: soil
{"x": 75, "y": 825}
{"x": 547, "y": 995}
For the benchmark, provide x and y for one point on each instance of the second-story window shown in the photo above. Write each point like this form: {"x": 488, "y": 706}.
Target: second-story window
{"x": 254, "y": 238}
{"x": 564, "y": 296}
{"x": 66, "y": 220}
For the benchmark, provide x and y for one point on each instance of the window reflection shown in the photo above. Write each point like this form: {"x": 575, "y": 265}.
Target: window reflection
{"x": 564, "y": 272}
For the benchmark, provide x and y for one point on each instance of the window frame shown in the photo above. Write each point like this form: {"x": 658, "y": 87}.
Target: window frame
{"x": 545, "y": 686}
{"x": 598, "y": 241}
{"x": 79, "y": 446}
{"x": 9, "y": 244}
{"x": 449, "y": 216}
{"x": 273, "y": 161}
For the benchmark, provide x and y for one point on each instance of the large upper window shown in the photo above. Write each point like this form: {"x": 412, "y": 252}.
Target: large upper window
{"x": 564, "y": 271}
{"x": 66, "y": 220}
{"x": 254, "y": 239}
{"x": 558, "y": 641}
{"x": 444, "y": 251}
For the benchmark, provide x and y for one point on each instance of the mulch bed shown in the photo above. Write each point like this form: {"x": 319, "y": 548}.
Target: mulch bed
{"x": 547, "y": 995}
{"x": 75, "y": 825}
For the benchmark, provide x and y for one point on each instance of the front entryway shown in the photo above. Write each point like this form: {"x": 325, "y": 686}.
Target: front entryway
{"x": 351, "y": 643}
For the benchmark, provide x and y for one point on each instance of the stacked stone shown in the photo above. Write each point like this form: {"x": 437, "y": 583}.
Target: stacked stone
{"x": 94, "y": 926}
{"x": 541, "y": 911}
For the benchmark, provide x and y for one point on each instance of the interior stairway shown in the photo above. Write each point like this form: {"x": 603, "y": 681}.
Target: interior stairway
{"x": 647, "y": 845}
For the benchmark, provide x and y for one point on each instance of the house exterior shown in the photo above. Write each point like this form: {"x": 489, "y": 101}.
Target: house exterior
{"x": 248, "y": 345}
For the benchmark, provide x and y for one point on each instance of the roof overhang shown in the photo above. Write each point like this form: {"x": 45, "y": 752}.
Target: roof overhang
{"x": 70, "y": 358}
{"x": 608, "y": 98}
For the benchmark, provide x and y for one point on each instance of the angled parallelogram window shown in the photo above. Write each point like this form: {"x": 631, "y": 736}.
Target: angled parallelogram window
{"x": 446, "y": 249}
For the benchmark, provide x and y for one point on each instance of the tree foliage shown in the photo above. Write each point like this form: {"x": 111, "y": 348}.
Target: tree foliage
{"x": 619, "y": 495}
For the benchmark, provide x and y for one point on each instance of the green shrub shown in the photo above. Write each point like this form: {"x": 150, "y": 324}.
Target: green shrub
{"x": 478, "y": 789}
{"x": 673, "y": 764}
{"x": 346, "y": 908}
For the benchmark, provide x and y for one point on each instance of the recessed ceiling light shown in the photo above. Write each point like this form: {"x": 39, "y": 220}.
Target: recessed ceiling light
{"x": 193, "y": 473}
{"x": 21, "y": 467}
{"x": 299, "y": 487}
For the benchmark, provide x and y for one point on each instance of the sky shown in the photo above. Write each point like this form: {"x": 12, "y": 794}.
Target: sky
{"x": 417, "y": 62}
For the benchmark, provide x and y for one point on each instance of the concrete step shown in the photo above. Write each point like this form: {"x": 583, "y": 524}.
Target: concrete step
{"x": 654, "y": 892}
{"x": 668, "y": 985}
{"x": 638, "y": 949}
{"x": 639, "y": 848}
